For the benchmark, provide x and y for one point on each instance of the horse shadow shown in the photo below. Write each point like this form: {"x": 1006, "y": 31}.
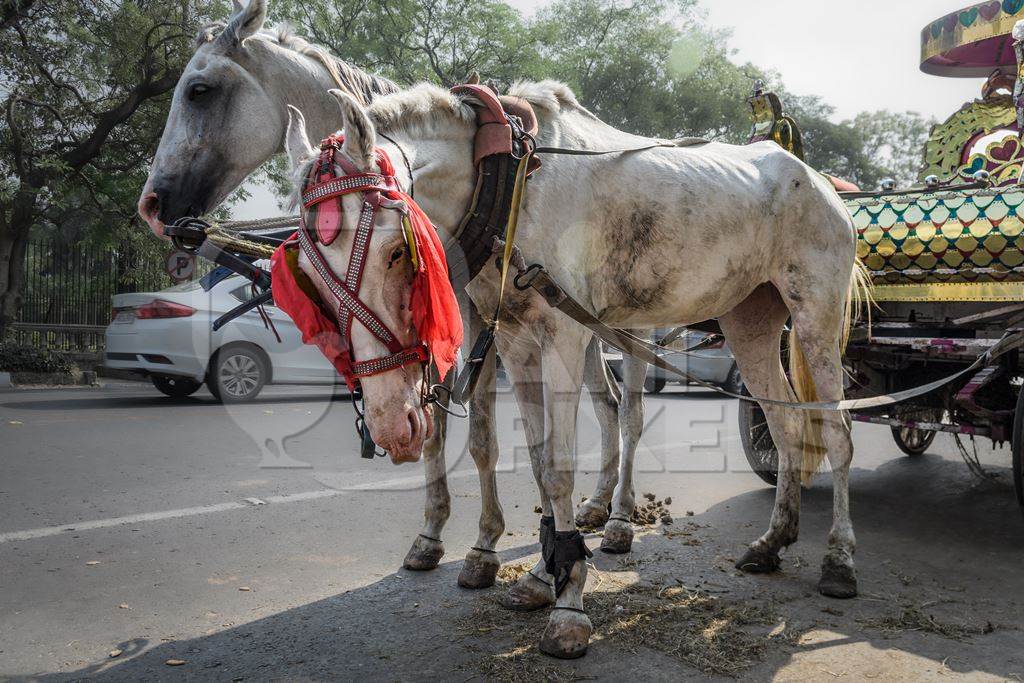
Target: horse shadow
{"x": 931, "y": 542}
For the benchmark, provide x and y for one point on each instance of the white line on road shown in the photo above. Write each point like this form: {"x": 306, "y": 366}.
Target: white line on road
{"x": 43, "y": 532}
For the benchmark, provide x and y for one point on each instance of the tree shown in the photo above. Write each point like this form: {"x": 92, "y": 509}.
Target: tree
{"x": 896, "y": 142}
{"x": 422, "y": 40}
{"x": 88, "y": 84}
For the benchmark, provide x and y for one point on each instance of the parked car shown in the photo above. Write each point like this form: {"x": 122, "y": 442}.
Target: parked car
{"x": 168, "y": 336}
{"x": 713, "y": 363}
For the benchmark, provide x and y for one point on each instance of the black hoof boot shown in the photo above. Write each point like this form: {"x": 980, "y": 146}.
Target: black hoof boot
{"x": 838, "y": 577}
{"x": 759, "y": 560}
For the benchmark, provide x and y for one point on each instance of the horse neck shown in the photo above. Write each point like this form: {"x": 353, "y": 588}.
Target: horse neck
{"x": 443, "y": 173}
{"x": 301, "y": 80}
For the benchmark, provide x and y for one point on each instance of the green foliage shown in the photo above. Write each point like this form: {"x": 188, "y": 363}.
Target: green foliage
{"x": 21, "y": 358}
{"x": 92, "y": 82}
{"x": 896, "y": 142}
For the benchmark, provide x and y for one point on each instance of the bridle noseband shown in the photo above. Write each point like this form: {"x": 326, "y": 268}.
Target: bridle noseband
{"x": 323, "y": 192}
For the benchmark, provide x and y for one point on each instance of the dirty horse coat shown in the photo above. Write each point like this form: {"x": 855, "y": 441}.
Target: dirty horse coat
{"x": 659, "y": 238}
{"x": 208, "y": 149}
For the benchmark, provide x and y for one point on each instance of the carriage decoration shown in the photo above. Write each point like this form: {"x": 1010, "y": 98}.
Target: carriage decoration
{"x": 946, "y": 256}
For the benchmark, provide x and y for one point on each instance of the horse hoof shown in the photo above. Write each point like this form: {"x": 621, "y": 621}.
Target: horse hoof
{"x": 618, "y": 537}
{"x": 758, "y": 561}
{"x": 592, "y": 515}
{"x": 529, "y": 594}
{"x": 567, "y": 634}
{"x": 424, "y": 554}
{"x": 838, "y": 577}
{"x": 479, "y": 570}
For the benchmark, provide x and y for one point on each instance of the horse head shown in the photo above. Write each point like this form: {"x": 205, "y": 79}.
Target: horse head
{"x": 379, "y": 268}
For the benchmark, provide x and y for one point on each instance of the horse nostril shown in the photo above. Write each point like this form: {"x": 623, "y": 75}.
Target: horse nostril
{"x": 149, "y": 206}
{"x": 414, "y": 426}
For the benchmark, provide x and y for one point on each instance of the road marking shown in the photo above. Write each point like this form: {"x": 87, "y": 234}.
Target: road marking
{"x": 44, "y": 532}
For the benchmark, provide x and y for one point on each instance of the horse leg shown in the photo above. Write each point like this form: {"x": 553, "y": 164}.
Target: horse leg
{"x": 754, "y": 331}
{"x": 427, "y": 549}
{"x": 535, "y": 589}
{"x": 605, "y": 396}
{"x": 819, "y": 332}
{"x": 618, "y": 532}
{"x": 482, "y": 563}
{"x": 562, "y": 359}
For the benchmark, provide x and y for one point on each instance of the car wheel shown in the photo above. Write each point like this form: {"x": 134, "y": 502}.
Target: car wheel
{"x": 175, "y": 387}
{"x": 237, "y": 375}
{"x": 653, "y": 384}
{"x": 734, "y": 382}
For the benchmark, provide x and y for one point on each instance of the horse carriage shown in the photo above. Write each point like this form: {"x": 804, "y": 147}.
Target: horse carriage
{"x": 948, "y": 271}
{"x": 946, "y": 258}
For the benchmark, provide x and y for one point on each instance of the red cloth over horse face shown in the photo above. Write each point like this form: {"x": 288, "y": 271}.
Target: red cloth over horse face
{"x": 431, "y": 308}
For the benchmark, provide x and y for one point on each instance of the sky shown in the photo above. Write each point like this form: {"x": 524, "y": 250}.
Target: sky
{"x": 857, "y": 55}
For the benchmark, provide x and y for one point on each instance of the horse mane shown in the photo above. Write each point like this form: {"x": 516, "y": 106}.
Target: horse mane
{"x": 362, "y": 85}
{"x": 426, "y": 104}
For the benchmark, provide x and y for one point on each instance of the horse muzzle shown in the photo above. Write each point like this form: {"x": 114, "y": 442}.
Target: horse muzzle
{"x": 403, "y": 433}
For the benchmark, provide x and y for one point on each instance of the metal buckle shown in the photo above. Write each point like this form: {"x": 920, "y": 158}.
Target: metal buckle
{"x": 524, "y": 280}
{"x": 433, "y": 397}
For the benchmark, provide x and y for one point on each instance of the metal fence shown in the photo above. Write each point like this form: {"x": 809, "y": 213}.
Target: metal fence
{"x": 66, "y": 302}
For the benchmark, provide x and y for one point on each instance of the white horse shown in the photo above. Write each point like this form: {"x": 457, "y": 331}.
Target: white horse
{"x": 749, "y": 235}
{"x": 228, "y": 116}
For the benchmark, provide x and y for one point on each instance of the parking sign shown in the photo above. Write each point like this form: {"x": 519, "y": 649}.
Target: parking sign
{"x": 180, "y": 265}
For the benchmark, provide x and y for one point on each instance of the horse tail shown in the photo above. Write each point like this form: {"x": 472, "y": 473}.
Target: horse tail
{"x": 813, "y": 443}
{"x": 858, "y": 298}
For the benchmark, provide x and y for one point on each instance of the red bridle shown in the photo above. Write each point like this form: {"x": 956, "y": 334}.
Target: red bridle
{"x": 322, "y": 194}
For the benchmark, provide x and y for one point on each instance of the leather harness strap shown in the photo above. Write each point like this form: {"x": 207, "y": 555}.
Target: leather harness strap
{"x": 538, "y": 279}
{"x": 324, "y": 191}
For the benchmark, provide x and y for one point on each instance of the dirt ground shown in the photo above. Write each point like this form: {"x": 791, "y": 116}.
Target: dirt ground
{"x": 939, "y": 559}
{"x": 940, "y": 598}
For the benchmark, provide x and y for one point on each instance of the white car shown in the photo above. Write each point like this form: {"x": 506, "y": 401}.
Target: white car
{"x": 168, "y": 336}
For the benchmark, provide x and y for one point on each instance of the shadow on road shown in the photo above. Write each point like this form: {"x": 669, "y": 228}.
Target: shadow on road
{"x": 938, "y": 560}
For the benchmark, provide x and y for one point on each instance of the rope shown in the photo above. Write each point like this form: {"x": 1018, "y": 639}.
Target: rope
{"x": 238, "y": 244}
{"x": 259, "y": 224}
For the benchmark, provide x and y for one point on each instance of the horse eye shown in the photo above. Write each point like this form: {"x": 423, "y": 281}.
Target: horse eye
{"x": 197, "y": 91}
{"x": 397, "y": 254}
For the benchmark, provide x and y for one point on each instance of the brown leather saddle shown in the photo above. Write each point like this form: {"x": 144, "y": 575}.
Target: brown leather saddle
{"x": 506, "y": 126}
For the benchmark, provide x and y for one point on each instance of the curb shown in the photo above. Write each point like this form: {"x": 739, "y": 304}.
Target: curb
{"x": 75, "y": 378}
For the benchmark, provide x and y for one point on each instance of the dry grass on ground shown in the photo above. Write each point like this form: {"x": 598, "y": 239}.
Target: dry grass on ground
{"x": 712, "y": 635}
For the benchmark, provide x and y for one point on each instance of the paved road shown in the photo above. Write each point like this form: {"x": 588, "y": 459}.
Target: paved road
{"x": 131, "y": 521}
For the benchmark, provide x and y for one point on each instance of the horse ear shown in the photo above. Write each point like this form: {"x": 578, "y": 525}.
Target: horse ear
{"x": 244, "y": 23}
{"x": 360, "y": 136}
{"x": 296, "y": 144}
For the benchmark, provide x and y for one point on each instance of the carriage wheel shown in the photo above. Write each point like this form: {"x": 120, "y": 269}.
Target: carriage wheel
{"x": 1016, "y": 448}
{"x": 912, "y": 441}
{"x": 915, "y": 441}
{"x": 757, "y": 442}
